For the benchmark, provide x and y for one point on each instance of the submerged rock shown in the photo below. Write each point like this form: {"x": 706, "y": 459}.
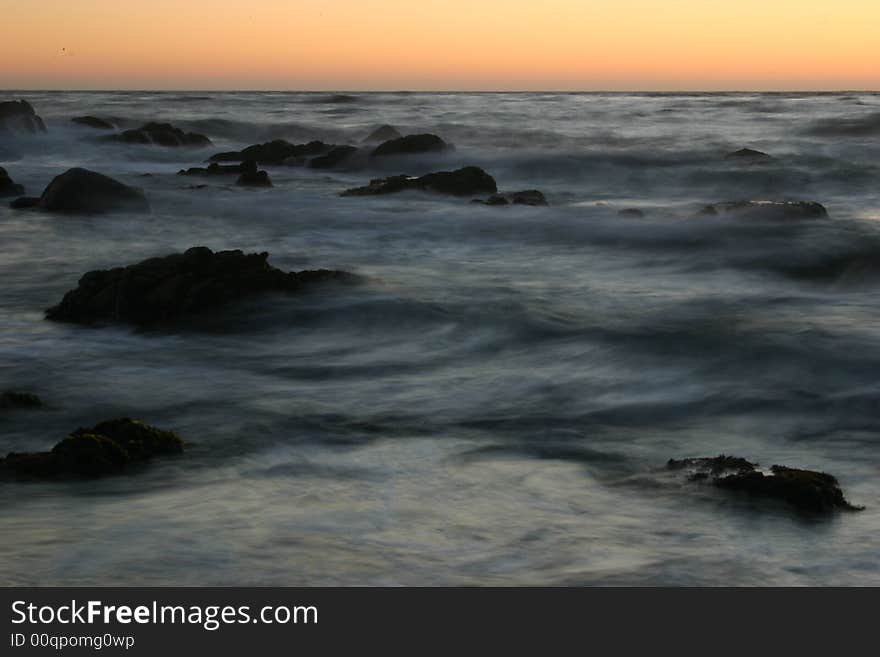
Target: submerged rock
{"x": 525, "y": 197}
{"x": 338, "y": 155}
{"x": 107, "y": 448}
{"x": 81, "y": 190}
{"x": 383, "y": 133}
{"x": 7, "y": 186}
{"x": 11, "y": 399}
{"x": 410, "y": 145}
{"x": 748, "y": 155}
{"x": 462, "y": 182}
{"x": 215, "y": 169}
{"x": 161, "y": 134}
{"x": 634, "y": 213}
{"x": 769, "y": 209}
{"x": 254, "y": 179}
{"x": 273, "y": 152}
{"x": 93, "y": 122}
{"x": 806, "y": 490}
{"x": 168, "y": 288}
{"x": 20, "y": 117}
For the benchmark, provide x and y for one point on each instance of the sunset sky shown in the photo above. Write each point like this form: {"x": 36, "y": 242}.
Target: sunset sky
{"x": 433, "y": 44}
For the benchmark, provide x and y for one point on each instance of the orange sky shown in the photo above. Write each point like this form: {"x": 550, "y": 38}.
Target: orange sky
{"x": 434, "y": 44}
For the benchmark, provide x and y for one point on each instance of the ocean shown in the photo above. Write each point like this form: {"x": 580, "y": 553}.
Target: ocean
{"x": 496, "y": 404}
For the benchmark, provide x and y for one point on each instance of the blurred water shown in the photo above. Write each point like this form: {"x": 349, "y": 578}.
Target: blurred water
{"x": 493, "y": 407}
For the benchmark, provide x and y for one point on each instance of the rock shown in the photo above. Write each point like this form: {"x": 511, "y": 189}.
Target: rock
{"x": 10, "y": 399}
{"x": 7, "y": 187}
{"x": 769, "y": 209}
{"x": 215, "y": 169}
{"x": 81, "y": 190}
{"x": 338, "y": 155}
{"x": 165, "y": 289}
{"x": 105, "y": 449}
{"x": 20, "y": 117}
{"x": 526, "y": 197}
{"x": 383, "y": 133}
{"x": 748, "y": 155}
{"x": 462, "y": 182}
{"x": 809, "y": 491}
{"x": 631, "y": 212}
{"x": 93, "y": 122}
{"x": 273, "y": 152}
{"x": 410, "y": 145}
{"x": 161, "y": 134}
{"x": 254, "y": 179}
{"x": 25, "y": 202}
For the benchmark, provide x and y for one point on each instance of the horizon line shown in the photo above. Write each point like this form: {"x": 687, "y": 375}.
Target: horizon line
{"x": 450, "y": 91}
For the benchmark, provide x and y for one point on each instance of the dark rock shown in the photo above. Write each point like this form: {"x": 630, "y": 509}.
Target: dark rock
{"x": 25, "y": 202}
{"x": 462, "y": 182}
{"x": 93, "y": 122}
{"x": 382, "y": 134}
{"x": 81, "y": 190}
{"x": 273, "y": 152}
{"x": 338, "y": 155}
{"x": 165, "y": 289}
{"x": 20, "y": 117}
{"x": 161, "y": 134}
{"x": 631, "y": 212}
{"x": 769, "y": 209}
{"x": 254, "y": 179}
{"x": 108, "y": 448}
{"x": 748, "y": 155}
{"x": 7, "y": 187}
{"x": 11, "y": 399}
{"x": 215, "y": 169}
{"x": 526, "y": 197}
{"x": 809, "y": 491}
{"x": 410, "y": 145}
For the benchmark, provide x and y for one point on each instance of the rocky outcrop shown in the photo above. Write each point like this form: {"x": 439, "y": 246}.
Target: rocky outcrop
{"x": 768, "y": 209}
{"x": 462, "y": 182}
{"x": 81, "y": 190}
{"x": 7, "y": 186}
{"x": 11, "y": 400}
{"x": 748, "y": 155}
{"x": 93, "y": 122}
{"x": 108, "y": 448}
{"x": 526, "y": 197}
{"x": 410, "y": 145}
{"x": 254, "y": 179}
{"x": 335, "y": 157}
{"x": 382, "y": 134}
{"x": 161, "y": 290}
{"x": 274, "y": 152}
{"x": 160, "y": 134}
{"x": 19, "y": 117}
{"x": 806, "y": 490}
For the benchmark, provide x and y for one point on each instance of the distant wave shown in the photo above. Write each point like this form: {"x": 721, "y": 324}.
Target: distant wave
{"x": 868, "y": 124}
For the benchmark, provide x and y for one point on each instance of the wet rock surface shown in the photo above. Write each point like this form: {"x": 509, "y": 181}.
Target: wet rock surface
{"x": 83, "y": 191}
{"x": 108, "y": 448}
{"x": 93, "y": 122}
{"x": 7, "y": 186}
{"x": 526, "y": 197}
{"x": 254, "y": 179}
{"x": 806, "y": 490}
{"x": 411, "y": 145}
{"x": 19, "y": 117}
{"x": 160, "y": 134}
{"x": 274, "y": 152}
{"x": 748, "y": 155}
{"x": 160, "y": 290}
{"x": 768, "y": 209}
{"x": 461, "y": 182}
{"x": 11, "y": 399}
